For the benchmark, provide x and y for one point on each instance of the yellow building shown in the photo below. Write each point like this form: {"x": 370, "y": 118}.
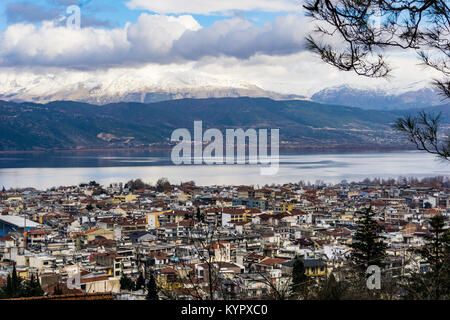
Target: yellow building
{"x": 346, "y": 218}
{"x": 23, "y": 272}
{"x": 89, "y": 235}
{"x": 152, "y": 218}
{"x": 287, "y": 207}
{"x": 167, "y": 279}
{"x": 184, "y": 197}
{"x": 315, "y": 268}
{"x": 124, "y": 198}
{"x": 16, "y": 199}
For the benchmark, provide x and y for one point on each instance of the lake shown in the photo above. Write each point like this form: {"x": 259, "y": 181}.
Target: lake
{"x": 43, "y": 171}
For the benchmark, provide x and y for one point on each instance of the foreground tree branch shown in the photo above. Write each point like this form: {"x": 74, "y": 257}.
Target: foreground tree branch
{"x": 422, "y": 130}
{"x": 353, "y": 35}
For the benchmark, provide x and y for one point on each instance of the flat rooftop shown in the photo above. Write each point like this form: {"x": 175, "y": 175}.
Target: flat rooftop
{"x": 18, "y": 221}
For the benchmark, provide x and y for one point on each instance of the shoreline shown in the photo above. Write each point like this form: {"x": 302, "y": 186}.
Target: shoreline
{"x": 324, "y": 149}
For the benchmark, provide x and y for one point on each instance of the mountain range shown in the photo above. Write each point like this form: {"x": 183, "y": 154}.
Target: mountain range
{"x": 143, "y": 87}
{"x": 148, "y": 86}
{"x": 303, "y": 124}
{"x": 380, "y": 99}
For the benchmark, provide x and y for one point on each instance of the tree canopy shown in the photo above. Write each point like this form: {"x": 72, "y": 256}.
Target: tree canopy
{"x": 356, "y": 36}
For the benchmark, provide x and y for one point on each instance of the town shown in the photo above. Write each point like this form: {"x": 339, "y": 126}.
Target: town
{"x": 193, "y": 242}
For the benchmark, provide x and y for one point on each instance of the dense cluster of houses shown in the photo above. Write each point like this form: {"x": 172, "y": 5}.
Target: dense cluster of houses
{"x": 240, "y": 240}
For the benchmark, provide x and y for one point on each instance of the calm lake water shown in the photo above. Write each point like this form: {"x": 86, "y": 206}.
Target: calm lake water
{"x": 43, "y": 171}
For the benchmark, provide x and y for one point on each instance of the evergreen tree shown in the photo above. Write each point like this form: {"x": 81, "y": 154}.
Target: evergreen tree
{"x": 140, "y": 283}
{"x": 16, "y": 284}
{"x": 31, "y": 288}
{"x": 36, "y": 287}
{"x": 152, "y": 290}
{"x": 9, "y": 288}
{"x": 331, "y": 289}
{"x": 299, "y": 278}
{"x": 434, "y": 284}
{"x": 199, "y": 215}
{"x": 126, "y": 283}
{"x": 58, "y": 290}
{"x": 368, "y": 246}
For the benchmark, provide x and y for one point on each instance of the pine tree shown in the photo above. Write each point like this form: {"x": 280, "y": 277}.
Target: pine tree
{"x": 434, "y": 284}
{"x": 140, "y": 283}
{"x": 58, "y": 290}
{"x": 16, "y": 284}
{"x": 299, "y": 278}
{"x": 126, "y": 283}
{"x": 9, "y": 287}
{"x": 36, "y": 289}
{"x": 152, "y": 290}
{"x": 200, "y": 216}
{"x": 368, "y": 246}
{"x": 331, "y": 289}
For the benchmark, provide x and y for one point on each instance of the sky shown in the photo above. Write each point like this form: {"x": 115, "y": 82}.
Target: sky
{"x": 257, "y": 42}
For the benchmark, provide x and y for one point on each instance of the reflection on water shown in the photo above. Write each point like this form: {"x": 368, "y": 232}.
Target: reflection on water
{"x": 44, "y": 170}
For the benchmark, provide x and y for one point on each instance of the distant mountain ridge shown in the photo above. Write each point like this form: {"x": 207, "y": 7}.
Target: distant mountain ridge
{"x": 130, "y": 87}
{"x": 380, "y": 99}
{"x": 302, "y": 124}
{"x": 147, "y": 86}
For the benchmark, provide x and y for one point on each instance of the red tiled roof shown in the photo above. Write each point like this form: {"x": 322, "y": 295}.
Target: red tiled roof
{"x": 272, "y": 261}
{"x": 167, "y": 270}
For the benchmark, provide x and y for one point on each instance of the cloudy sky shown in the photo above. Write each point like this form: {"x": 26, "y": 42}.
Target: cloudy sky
{"x": 259, "y": 42}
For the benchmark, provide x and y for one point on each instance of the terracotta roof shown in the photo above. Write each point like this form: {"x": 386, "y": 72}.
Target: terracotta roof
{"x": 94, "y": 279}
{"x": 85, "y": 232}
{"x": 159, "y": 255}
{"x": 272, "y": 261}
{"x": 167, "y": 270}
{"x": 433, "y": 211}
{"x": 233, "y": 211}
{"x": 296, "y": 212}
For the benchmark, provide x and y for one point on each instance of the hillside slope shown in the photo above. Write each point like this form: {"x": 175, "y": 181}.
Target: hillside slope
{"x": 71, "y": 125}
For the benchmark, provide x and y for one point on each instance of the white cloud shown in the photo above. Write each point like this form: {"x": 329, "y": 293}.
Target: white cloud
{"x": 50, "y": 45}
{"x": 152, "y": 39}
{"x": 240, "y": 38}
{"x": 300, "y": 73}
{"x": 214, "y": 6}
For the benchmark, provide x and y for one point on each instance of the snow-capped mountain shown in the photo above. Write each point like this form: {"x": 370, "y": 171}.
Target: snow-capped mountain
{"x": 153, "y": 84}
{"x": 415, "y": 95}
{"x": 137, "y": 86}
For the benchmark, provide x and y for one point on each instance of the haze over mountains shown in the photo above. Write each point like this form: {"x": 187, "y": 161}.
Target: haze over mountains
{"x": 302, "y": 124}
